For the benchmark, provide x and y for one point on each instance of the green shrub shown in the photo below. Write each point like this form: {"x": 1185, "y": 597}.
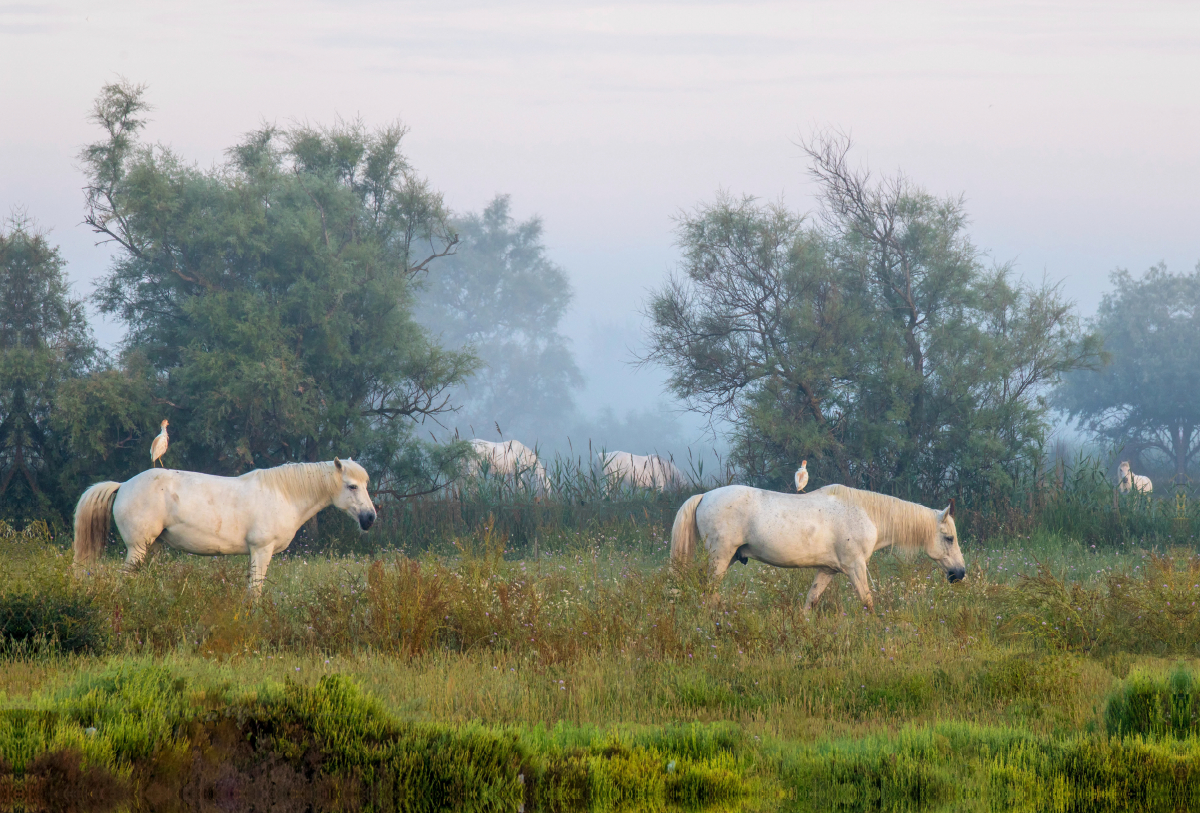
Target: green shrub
{"x": 1155, "y": 706}
{"x": 41, "y": 607}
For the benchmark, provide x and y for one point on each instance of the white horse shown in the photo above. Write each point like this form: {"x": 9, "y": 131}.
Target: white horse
{"x": 834, "y": 529}
{"x": 508, "y": 460}
{"x": 1127, "y": 480}
{"x": 623, "y": 469}
{"x": 257, "y": 513}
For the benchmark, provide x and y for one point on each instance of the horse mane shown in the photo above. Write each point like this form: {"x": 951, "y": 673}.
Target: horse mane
{"x": 907, "y": 525}
{"x": 301, "y": 481}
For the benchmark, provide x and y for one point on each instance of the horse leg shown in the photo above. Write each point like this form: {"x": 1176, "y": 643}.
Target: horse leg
{"x": 824, "y": 577}
{"x": 135, "y": 554}
{"x": 720, "y": 560}
{"x": 858, "y": 578}
{"x": 260, "y": 558}
{"x": 139, "y": 539}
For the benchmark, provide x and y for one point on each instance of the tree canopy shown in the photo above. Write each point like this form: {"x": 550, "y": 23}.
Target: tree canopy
{"x": 872, "y": 341}
{"x": 44, "y": 340}
{"x": 1145, "y": 398}
{"x": 501, "y": 297}
{"x": 268, "y": 300}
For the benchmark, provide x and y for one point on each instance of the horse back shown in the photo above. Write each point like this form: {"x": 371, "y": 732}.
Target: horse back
{"x": 785, "y": 530}
{"x": 217, "y": 504}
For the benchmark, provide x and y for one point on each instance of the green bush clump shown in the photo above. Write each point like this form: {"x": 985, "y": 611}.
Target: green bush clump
{"x": 1155, "y": 706}
{"x": 140, "y": 724}
{"x": 42, "y": 609}
{"x": 66, "y": 622}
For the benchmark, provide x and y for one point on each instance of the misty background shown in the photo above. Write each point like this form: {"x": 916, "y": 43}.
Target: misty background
{"x": 1071, "y": 133}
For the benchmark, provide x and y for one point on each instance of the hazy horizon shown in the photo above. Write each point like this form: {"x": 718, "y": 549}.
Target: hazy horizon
{"x": 1071, "y": 133}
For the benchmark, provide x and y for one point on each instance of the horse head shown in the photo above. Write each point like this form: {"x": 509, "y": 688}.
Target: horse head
{"x": 352, "y": 497}
{"x": 943, "y": 548}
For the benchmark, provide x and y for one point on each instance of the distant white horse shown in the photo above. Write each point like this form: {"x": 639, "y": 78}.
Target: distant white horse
{"x": 1127, "y": 480}
{"x": 834, "y": 529}
{"x": 508, "y": 460}
{"x": 257, "y": 513}
{"x": 623, "y": 469}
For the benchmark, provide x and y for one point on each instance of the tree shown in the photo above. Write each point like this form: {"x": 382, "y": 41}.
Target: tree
{"x": 44, "y": 341}
{"x": 270, "y": 297}
{"x": 1146, "y": 397}
{"x": 873, "y": 341}
{"x": 500, "y": 297}
{"x": 758, "y": 334}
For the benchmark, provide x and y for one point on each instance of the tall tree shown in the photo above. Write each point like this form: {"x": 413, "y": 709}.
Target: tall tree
{"x": 1147, "y": 397}
{"x": 873, "y": 341}
{"x": 271, "y": 296}
{"x": 502, "y": 298}
{"x": 757, "y": 333}
{"x": 44, "y": 341}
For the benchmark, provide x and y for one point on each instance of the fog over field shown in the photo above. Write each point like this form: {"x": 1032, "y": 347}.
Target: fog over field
{"x": 1071, "y": 131}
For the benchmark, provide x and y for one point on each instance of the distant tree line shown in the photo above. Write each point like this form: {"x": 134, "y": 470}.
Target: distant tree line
{"x": 1147, "y": 399}
{"x": 876, "y": 342}
{"x": 312, "y": 296}
{"x": 270, "y": 306}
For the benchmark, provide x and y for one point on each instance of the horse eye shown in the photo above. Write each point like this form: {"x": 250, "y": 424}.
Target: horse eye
{"x": 352, "y": 487}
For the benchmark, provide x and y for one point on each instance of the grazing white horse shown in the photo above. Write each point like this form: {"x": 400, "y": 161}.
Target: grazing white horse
{"x": 508, "y": 460}
{"x": 257, "y": 513}
{"x": 623, "y": 469}
{"x": 834, "y": 529}
{"x": 1127, "y": 480}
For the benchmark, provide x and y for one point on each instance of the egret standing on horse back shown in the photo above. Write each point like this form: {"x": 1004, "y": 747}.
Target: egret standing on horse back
{"x": 834, "y": 529}
{"x": 257, "y": 513}
{"x": 802, "y": 475}
{"x": 158, "y": 447}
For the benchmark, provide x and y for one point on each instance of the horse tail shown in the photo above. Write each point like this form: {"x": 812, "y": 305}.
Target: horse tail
{"x": 93, "y": 516}
{"x": 685, "y": 532}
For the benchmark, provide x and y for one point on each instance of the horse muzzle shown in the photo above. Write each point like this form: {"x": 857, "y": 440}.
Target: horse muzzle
{"x": 366, "y": 520}
{"x": 956, "y": 574}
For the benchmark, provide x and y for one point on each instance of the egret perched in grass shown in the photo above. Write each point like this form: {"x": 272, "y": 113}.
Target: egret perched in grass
{"x": 159, "y": 446}
{"x": 802, "y": 475}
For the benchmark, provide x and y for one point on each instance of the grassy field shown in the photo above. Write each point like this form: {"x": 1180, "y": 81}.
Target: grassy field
{"x": 591, "y": 676}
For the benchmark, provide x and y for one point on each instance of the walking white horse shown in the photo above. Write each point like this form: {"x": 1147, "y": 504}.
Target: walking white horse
{"x": 508, "y": 460}
{"x": 834, "y": 529}
{"x": 626, "y": 470}
{"x": 1127, "y": 480}
{"x": 257, "y": 513}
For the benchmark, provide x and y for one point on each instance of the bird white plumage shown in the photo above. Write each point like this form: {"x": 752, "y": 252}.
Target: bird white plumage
{"x": 158, "y": 447}
{"x": 802, "y": 475}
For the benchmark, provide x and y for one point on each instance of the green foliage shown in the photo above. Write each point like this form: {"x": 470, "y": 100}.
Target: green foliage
{"x": 1145, "y": 397}
{"x": 135, "y": 710}
{"x": 129, "y": 719}
{"x": 41, "y": 609}
{"x": 268, "y": 300}
{"x": 960, "y": 766}
{"x": 45, "y": 342}
{"x": 877, "y": 346}
{"x": 1153, "y": 611}
{"x": 1155, "y": 705}
{"x": 501, "y": 297}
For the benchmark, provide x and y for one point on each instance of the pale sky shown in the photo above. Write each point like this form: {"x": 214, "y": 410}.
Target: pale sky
{"x": 1071, "y": 128}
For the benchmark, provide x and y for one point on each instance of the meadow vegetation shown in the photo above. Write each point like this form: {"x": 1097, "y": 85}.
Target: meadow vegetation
{"x": 574, "y": 669}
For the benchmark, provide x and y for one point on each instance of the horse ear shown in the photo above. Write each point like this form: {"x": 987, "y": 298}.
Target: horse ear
{"x": 337, "y": 464}
{"x": 949, "y": 512}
